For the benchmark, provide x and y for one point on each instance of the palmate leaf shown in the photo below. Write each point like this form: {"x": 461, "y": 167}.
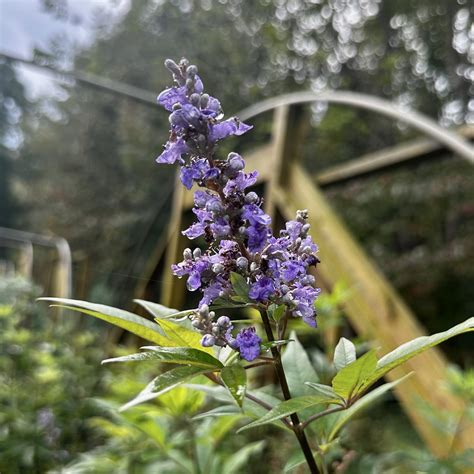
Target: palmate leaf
{"x": 159, "y": 311}
{"x": 172, "y": 355}
{"x": 165, "y": 382}
{"x": 235, "y": 379}
{"x": 288, "y": 407}
{"x": 344, "y": 353}
{"x": 410, "y": 349}
{"x": 123, "y": 319}
{"x": 350, "y": 377}
{"x": 343, "y": 417}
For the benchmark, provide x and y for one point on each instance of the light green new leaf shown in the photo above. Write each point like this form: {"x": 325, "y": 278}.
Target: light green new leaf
{"x": 323, "y": 390}
{"x": 160, "y": 311}
{"x": 288, "y": 407}
{"x": 240, "y": 285}
{"x": 276, "y": 312}
{"x": 349, "y": 378}
{"x": 280, "y": 342}
{"x": 344, "y": 353}
{"x": 182, "y": 336}
{"x": 173, "y": 355}
{"x": 165, "y": 382}
{"x": 123, "y": 319}
{"x": 412, "y": 348}
{"x": 235, "y": 379}
{"x": 344, "y": 416}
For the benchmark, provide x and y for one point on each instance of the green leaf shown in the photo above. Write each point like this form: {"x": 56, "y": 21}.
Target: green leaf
{"x": 239, "y": 460}
{"x": 165, "y": 382}
{"x": 344, "y": 353}
{"x": 182, "y": 336}
{"x": 323, "y": 390}
{"x": 349, "y": 378}
{"x": 344, "y": 416}
{"x": 281, "y": 342}
{"x": 173, "y": 355}
{"x": 288, "y": 407}
{"x": 276, "y": 312}
{"x": 224, "y": 410}
{"x": 123, "y": 319}
{"x": 296, "y": 362}
{"x": 160, "y": 311}
{"x": 240, "y": 285}
{"x": 235, "y": 379}
{"x": 412, "y": 348}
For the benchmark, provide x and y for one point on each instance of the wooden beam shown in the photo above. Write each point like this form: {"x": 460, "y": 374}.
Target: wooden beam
{"x": 375, "y": 310}
{"x": 380, "y": 160}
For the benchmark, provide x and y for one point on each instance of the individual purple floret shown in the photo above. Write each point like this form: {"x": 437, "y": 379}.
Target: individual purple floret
{"x": 248, "y": 344}
{"x": 230, "y": 219}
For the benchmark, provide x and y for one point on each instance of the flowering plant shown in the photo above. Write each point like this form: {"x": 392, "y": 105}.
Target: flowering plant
{"x": 244, "y": 265}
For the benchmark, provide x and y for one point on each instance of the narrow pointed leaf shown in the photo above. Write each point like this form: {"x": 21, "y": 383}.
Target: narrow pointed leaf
{"x": 281, "y": 342}
{"x": 172, "y": 355}
{"x": 344, "y": 354}
{"x": 412, "y": 348}
{"x": 349, "y": 378}
{"x": 123, "y": 319}
{"x": 237, "y": 461}
{"x": 323, "y": 390}
{"x": 235, "y": 379}
{"x": 159, "y": 311}
{"x": 182, "y": 336}
{"x": 344, "y": 416}
{"x": 165, "y": 382}
{"x": 240, "y": 285}
{"x": 288, "y": 407}
{"x": 296, "y": 362}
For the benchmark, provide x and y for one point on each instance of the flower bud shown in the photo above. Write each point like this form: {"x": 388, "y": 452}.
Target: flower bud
{"x": 235, "y": 163}
{"x": 208, "y": 340}
{"x": 172, "y": 67}
{"x": 253, "y": 266}
{"x": 214, "y": 206}
{"x": 251, "y": 198}
{"x": 195, "y": 100}
{"x": 204, "y": 310}
{"x": 218, "y": 268}
{"x": 284, "y": 289}
{"x": 197, "y": 253}
{"x": 242, "y": 263}
{"x": 191, "y": 71}
{"x": 223, "y": 321}
{"x": 187, "y": 255}
{"x": 212, "y": 314}
{"x": 204, "y": 100}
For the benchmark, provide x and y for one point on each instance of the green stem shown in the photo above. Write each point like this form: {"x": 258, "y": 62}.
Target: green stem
{"x": 297, "y": 426}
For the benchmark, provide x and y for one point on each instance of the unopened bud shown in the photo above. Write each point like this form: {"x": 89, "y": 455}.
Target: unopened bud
{"x": 218, "y": 268}
{"x": 191, "y": 71}
{"x": 204, "y": 100}
{"x": 251, "y": 198}
{"x": 197, "y": 253}
{"x": 223, "y": 321}
{"x": 195, "y": 100}
{"x": 172, "y": 67}
{"x": 208, "y": 340}
{"x": 187, "y": 254}
{"x": 242, "y": 263}
{"x": 253, "y": 266}
{"x": 204, "y": 310}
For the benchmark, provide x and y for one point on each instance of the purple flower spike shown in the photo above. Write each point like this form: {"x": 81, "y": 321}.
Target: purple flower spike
{"x": 248, "y": 344}
{"x": 230, "y": 220}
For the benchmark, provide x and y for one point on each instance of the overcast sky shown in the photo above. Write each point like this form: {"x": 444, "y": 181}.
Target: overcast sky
{"x": 24, "y": 25}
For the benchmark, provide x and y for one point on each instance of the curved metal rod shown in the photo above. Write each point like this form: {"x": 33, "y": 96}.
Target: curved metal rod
{"x": 451, "y": 140}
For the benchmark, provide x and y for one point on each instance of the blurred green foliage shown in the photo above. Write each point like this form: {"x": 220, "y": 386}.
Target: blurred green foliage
{"x": 46, "y": 376}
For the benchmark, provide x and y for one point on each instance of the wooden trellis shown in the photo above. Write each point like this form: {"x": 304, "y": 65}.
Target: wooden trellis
{"x": 374, "y": 308}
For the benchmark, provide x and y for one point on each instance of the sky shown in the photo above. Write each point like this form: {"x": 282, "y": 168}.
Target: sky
{"x": 25, "y": 24}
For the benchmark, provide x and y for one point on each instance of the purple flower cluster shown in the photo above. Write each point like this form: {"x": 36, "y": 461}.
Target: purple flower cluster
{"x": 231, "y": 221}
